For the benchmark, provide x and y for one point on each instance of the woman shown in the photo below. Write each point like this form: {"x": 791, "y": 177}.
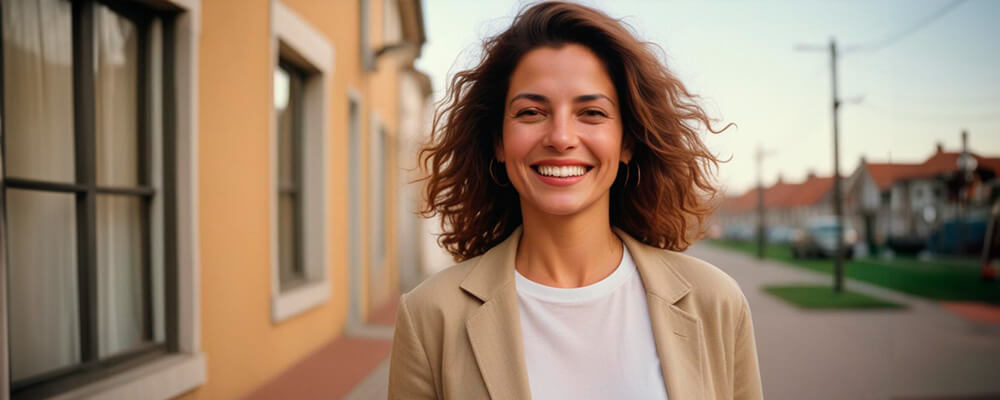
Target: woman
{"x": 568, "y": 171}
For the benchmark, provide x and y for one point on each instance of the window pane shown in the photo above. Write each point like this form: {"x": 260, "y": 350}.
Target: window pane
{"x": 44, "y": 317}
{"x": 120, "y": 294}
{"x": 285, "y": 111}
{"x": 378, "y": 181}
{"x": 38, "y": 88}
{"x": 289, "y": 267}
{"x": 116, "y": 47}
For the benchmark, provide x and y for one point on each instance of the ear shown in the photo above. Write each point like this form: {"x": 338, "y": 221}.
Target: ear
{"x": 626, "y": 155}
{"x": 499, "y": 151}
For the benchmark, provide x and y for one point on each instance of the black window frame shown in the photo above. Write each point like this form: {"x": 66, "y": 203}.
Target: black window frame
{"x": 86, "y": 191}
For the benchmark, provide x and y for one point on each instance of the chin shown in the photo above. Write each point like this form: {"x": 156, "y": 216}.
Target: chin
{"x": 559, "y": 205}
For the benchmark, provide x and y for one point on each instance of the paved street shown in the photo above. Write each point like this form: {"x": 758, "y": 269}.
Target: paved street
{"x": 923, "y": 351}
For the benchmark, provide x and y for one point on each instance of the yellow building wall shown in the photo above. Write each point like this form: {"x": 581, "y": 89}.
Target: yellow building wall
{"x": 243, "y": 347}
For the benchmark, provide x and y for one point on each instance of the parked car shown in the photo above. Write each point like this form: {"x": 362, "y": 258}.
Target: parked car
{"x": 740, "y": 232}
{"x": 780, "y": 234}
{"x": 818, "y": 238}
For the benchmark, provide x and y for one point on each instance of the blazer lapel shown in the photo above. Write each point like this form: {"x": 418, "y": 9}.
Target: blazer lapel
{"x": 495, "y": 329}
{"x": 678, "y": 334}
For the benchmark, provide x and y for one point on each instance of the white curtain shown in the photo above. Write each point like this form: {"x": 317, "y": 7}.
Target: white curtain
{"x": 42, "y": 249}
{"x": 38, "y": 93}
{"x": 119, "y": 229}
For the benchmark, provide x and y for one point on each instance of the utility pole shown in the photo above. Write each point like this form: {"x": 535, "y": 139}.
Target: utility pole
{"x": 838, "y": 282}
{"x": 761, "y": 227}
{"x": 838, "y": 211}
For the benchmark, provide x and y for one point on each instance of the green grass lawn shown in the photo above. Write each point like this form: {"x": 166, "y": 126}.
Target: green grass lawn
{"x": 823, "y": 297}
{"x": 946, "y": 279}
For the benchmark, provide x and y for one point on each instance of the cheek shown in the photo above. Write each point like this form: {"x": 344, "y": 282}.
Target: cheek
{"x": 607, "y": 146}
{"x": 517, "y": 142}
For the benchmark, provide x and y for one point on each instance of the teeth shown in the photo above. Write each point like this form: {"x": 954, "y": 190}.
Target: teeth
{"x": 563, "y": 171}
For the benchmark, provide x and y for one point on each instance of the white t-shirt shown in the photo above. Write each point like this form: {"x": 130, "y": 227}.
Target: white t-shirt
{"x": 592, "y": 342}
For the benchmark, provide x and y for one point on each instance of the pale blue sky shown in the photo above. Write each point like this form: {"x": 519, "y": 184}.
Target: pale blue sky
{"x": 740, "y": 56}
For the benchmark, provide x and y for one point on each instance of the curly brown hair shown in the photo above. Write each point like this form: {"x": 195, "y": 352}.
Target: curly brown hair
{"x": 661, "y": 198}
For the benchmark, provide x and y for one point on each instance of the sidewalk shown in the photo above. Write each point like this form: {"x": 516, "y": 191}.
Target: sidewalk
{"x": 353, "y": 366}
{"x": 921, "y": 352}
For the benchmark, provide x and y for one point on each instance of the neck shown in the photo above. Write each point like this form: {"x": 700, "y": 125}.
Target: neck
{"x": 568, "y": 251}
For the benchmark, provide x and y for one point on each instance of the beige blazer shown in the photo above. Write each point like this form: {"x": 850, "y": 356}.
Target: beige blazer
{"x": 458, "y": 334}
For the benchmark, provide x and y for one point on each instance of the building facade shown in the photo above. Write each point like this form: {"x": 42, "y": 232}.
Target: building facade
{"x": 908, "y": 203}
{"x": 199, "y": 194}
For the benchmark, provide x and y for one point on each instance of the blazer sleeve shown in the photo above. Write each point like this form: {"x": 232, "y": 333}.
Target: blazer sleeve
{"x": 410, "y": 374}
{"x": 746, "y": 383}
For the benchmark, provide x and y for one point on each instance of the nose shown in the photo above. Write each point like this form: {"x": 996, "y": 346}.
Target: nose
{"x": 561, "y": 135}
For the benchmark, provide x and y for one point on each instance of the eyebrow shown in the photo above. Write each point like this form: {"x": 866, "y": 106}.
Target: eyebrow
{"x": 578, "y": 99}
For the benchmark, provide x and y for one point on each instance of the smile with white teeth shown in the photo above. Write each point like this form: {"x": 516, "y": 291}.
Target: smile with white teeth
{"x": 561, "y": 171}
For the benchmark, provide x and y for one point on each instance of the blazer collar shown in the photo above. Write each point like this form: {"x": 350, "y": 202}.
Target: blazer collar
{"x": 495, "y": 269}
{"x": 658, "y": 277}
{"x": 677, "y": 333}
{"x": 495, "y": 329}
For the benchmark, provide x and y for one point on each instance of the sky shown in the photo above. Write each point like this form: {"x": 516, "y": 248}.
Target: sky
{"x": 928, "y": 83}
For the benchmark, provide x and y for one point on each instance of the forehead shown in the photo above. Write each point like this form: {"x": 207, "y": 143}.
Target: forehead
{"x": 568, "y": 70}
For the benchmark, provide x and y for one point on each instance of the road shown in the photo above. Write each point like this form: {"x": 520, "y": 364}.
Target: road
{"x": 923, "y": 351}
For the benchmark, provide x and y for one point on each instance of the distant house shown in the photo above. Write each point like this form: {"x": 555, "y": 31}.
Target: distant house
{"x": 898, "y": 204}
{"x": 786, "y": 205}
{"x": 908, "y": 202}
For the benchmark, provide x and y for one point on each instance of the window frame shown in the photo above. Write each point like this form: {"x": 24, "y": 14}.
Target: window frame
{"x": 296, "y": 96}
{"x": 378, "y": 216}
{"x": 177, "y": 365}
{"x": 367, "y": 55}
{"x": 296, "y": 41}
{"x": 355, "y": 200}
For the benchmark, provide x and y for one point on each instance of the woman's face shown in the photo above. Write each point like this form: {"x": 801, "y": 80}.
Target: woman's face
{"x": 562, "y": 131}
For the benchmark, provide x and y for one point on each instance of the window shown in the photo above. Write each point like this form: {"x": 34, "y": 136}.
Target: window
{"x": 302, "y": 68}
{"x": 288, "y": 81}
{"x": 354, "y": 202}
{"x": 98, "y": 256}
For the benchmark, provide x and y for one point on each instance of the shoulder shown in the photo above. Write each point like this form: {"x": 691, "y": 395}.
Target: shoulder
{"x": 702, "y": 274}
{"x": 709, "y": 287}
{"x": 441, "y": 291}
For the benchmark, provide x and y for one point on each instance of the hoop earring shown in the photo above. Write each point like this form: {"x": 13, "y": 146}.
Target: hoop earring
{"x": 495, "y": 180}
{"x": 638, "y": 173}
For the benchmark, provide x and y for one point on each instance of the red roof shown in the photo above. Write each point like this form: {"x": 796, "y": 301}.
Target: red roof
{"x": 783, "y": 195}
{"x": 884, "y": 174}
{"x": 743, "y": 203}
{"x": 942, "y": 162}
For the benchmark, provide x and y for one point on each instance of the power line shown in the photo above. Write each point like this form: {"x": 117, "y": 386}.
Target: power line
{"x": 890, "y": 40}
{"x": 930, "y": 116}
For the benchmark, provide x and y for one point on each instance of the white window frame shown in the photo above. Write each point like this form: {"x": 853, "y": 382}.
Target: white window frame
{"x": 291, "y": 31}
{"x": 355, "y": 167}
{"x": 364, "y": 36}
{"x": 172, "y": 375}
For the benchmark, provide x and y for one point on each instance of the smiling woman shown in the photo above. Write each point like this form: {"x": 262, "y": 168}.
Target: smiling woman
{"x": 569, "y": 170}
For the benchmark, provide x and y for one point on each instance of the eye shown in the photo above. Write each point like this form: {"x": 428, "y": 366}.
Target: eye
{"x": 530, "y": 114}
{"x": 594, "y": 113}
